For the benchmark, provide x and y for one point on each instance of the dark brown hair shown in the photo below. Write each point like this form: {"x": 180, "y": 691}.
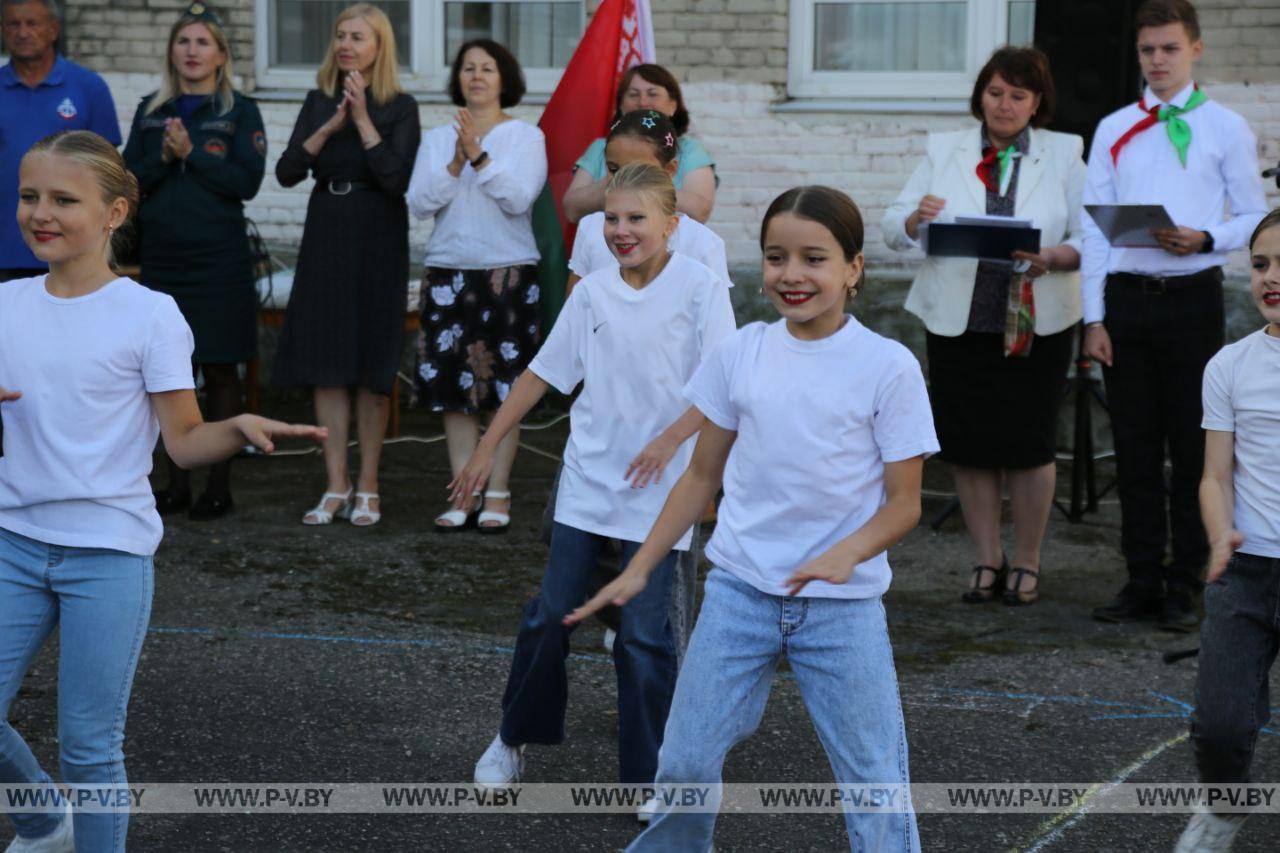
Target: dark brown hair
{"x": 1271, "y": 220}
{"x": 830, "y": 208}
{"x": 1024, "y": 67}
{"x": 658, "y": 76}
{"x": 1158, "y": 13}
{"x": 651, "y": 126}
{"x": 509, "y": 71}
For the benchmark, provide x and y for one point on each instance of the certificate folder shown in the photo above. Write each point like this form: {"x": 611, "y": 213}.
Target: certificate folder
{"x": 1130, "y": 225}
{"x": 991, "y": 242}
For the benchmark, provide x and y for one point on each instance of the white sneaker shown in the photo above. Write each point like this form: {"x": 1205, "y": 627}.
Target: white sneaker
{"x": 1207, "y": 832}
{"x": 61, "y": 840}
{"x": 647, "y": 810}
{"x": 607, "y": 641}
{"x": 500, "y": 766}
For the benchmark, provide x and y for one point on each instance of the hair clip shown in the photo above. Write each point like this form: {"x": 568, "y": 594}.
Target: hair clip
{"x": 614, "y": 126}
{"x": 669, "y": 140}
{"x": 648, "y": 122}
{"x": 203, "y": 12}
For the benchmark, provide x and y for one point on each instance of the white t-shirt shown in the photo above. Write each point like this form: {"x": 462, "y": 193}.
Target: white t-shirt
{"x": 816, "y": 423}
{"x": 1242, "y": 396}
{"x": 78, "y": 443}
{"x": 633, "y": 351}
{"x": 691, "y": 239}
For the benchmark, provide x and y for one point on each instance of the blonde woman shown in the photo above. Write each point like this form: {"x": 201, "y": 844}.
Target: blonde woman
{"x": 357, "y": 135}
{"x": 198, "y": 149}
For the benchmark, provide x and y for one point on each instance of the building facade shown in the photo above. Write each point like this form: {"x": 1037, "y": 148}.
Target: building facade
{"x": 782, "y": 92}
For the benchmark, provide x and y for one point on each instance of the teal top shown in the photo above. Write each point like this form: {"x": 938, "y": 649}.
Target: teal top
{"x": 689, "y": 153}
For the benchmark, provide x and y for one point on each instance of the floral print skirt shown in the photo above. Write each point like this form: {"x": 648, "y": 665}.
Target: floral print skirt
{"x": 479, "y": 330}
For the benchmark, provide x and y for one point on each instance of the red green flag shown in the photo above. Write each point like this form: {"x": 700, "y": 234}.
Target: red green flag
{"x": 620, "y": 35}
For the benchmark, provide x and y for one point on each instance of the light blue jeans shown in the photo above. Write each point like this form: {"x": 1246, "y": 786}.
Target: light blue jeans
{"x": 843, "y": 664}
{"x": 101, "y": 599}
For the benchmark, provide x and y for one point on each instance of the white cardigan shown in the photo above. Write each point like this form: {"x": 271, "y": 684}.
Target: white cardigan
{"x": 1050, "y": 186}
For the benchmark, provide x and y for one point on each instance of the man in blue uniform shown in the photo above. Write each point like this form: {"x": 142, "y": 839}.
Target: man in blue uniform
{"x": 40, "y": 93}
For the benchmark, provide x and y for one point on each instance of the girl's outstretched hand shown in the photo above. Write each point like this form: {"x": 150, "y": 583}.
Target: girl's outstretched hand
{"x": 617, "y": 592}
{"x": 825, "y": 567}
{"x": 6, "y": 394}
{"x": 472, "y": 477}
{"x": 647, "y": 467}
{"x": 260, "y": 431}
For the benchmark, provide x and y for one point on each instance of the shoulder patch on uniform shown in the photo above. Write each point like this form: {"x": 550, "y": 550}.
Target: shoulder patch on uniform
{"x": 216, "y": 147}
{"x": 260, "y": 143}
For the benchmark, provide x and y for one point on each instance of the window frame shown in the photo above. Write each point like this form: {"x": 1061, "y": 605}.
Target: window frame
{"x": 428, "y": 69}
{"x": 987, "y": 24}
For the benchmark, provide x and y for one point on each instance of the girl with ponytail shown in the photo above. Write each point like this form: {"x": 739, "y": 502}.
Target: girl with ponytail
{"x": 93, "y": 368}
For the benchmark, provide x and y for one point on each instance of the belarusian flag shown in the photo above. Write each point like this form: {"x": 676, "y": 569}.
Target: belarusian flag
{"x": 619, "y": 36}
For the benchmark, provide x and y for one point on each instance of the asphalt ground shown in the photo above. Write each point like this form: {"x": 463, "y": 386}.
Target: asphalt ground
{"x": 285, "y": 653}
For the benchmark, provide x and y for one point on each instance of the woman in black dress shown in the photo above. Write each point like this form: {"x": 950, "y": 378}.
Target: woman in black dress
{"x": 198, "y": 150}
{"x": 357, "y": 134}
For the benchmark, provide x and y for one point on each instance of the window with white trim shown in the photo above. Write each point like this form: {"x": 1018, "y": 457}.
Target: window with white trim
{"x": 898, "y": 49}
{"x": 293, "y": 35}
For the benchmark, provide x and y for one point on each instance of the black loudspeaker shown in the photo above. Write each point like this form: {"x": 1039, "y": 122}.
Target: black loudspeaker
{"x": 1091, "y": 49}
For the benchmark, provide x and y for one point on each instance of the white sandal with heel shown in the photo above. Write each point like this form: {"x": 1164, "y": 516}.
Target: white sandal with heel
{"x": 361, "y": 515}
{"x": 503, "y": 519}
{"x": 319, "y": 515}
{"x": 457, "y": 519}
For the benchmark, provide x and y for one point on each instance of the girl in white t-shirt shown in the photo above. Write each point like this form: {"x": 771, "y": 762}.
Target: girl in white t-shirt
{"x": 632, "y": 335}
{"x": 1240, "y": 503}
{"x": 644, "y": 136}
{"x": 818, "y": 428}
{"x": 93, "y": 367}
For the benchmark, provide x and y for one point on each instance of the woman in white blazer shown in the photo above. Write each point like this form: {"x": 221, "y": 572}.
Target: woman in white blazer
{"x": 999, "y": 332}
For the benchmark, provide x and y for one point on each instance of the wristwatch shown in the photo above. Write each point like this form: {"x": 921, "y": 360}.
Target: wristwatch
{"x": 479, "y": 161}
{"x": 1208, "y": 243}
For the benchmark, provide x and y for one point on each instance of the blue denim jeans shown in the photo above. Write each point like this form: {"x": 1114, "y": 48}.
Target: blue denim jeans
{"x": 101, "y": 601}
{"x": 839, "y": 651}
{"x": 1238, "y": 644}
{"x": 644, "y": 655}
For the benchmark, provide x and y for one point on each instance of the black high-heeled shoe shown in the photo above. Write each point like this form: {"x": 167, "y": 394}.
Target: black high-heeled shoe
{"x": 981, "y": 593}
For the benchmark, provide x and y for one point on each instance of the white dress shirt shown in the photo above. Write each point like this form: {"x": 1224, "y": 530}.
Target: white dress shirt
{"x": 483, "y": 219}
{"x": 1221, "y": 174}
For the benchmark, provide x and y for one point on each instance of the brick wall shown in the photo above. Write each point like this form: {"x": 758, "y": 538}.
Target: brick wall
{"x": 1242, "y": 40}
{"x": 130, "y": 35}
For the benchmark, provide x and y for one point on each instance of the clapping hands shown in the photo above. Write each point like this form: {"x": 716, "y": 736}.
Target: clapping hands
{"x": 177, "y": 142}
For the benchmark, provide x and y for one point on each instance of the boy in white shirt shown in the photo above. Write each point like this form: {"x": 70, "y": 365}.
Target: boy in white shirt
{"x": 1240, "y": 499}
{"x": 1154, "y": 316}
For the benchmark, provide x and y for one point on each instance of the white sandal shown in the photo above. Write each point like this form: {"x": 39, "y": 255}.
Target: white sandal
{"x": 361, "y": 515}
{"x": 319, "y": 515}
{"x": 503, "y": 519}
{"x": 457, "y": 519}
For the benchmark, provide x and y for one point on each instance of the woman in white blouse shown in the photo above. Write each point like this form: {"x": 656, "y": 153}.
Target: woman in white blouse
{"x": 478, "y": 177}
{"x": 999, "y": 336}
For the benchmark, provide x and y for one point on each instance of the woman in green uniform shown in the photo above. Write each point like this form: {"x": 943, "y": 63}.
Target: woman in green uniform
{"x": 198, "y": 149}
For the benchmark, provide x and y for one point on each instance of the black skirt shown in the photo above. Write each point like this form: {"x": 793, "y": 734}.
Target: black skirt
{"x": 996, "y": 412}
{"x": 223, "y": 316}
{"x": 345, "y": 322}
{"x": 480, "y": 330}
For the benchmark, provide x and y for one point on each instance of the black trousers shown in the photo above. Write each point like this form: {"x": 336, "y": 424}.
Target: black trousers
{"x": 1238, "y": 644}
{"x": 1163, "y": 333}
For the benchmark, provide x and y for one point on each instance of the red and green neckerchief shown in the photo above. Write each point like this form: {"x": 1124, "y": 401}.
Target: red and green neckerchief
{"x": 995, "y": 170}
{"x": 1177, "y": 127}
